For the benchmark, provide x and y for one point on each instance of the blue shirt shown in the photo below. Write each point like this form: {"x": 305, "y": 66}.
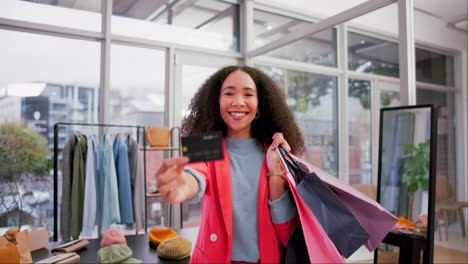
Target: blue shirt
{"x": 123, "y": 181}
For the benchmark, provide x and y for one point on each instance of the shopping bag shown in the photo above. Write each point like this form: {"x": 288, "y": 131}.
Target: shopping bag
{"x": 375, "y": 219}
{"x": 320, "y": 248}
{"x": 20, "y": 240}
{"x": 338, "y": 222}
{"x": 296, "y": 250}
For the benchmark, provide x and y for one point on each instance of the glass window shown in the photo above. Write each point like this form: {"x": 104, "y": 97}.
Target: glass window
{"x": 137, "y": 81}
{"x": 445, "y": 103}
{"x": 278, "y": 75}
{"x": 313, "y": 99}
{"x": 372, "y": 55}
{"x": 319, "y": 48}
{"x": 137, "y": 97}
{"x": 83, "y": 14}
{"x": 389, "y": 98}
{"x": 203, "y": 23}
{"x": 450, "y": 233}
{"x": 359, "y": 114}
{"x": 43, "y": 80}
{"x": 192, "y": 78}
{"x": 433, "y": 67}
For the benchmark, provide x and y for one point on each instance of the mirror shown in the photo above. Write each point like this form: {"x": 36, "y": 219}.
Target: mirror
{"x": 406, "y": 181}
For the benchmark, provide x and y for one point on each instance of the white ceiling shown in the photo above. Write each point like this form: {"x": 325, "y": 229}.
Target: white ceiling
{"x": 454, "y": 12}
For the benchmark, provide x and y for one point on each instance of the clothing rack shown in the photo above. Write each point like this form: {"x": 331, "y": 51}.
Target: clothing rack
{"x": 56, "y": 153}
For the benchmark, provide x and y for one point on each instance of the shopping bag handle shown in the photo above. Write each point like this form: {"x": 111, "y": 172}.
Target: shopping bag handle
{"x": 292, "y": 164}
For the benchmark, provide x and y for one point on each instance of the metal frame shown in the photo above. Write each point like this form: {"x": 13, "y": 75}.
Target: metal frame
{"x": 343, "y": 107}
{"x": 246, "y": 30}
{"x": 295, "y": 65}
{"x": 407, "y": 52}
{"x": 461, "y": 104}
{"x": 104, "y": 91}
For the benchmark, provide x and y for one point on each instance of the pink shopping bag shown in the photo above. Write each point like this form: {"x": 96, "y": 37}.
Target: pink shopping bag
{"x": 319, "y": 246}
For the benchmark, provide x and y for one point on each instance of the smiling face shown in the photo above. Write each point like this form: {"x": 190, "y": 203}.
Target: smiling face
{"x": 238, "y": 104}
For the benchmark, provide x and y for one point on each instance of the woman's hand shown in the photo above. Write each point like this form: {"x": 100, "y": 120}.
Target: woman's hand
{"x": 173, "y": 183}
{"x": 273, "y": 161}
{"x": 276, "y": 183}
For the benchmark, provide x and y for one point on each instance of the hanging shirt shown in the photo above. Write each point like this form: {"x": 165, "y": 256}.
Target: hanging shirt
{"x": 78, "y": 184}
{"x": 65, "y": 205}
{"x": 108, "y": 197}
{"x": 89, "y": 215}
{"x": 136, "y": 176}
{"x": 123, "y": 181}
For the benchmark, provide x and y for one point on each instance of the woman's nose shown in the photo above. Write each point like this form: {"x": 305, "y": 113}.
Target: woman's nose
{"x": 238, "y": 101}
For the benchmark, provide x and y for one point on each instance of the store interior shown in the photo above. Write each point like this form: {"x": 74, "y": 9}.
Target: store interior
{"x": 120, "y": 67}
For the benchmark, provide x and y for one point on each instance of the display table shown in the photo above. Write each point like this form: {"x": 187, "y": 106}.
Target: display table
{"x": 411, "y": 246}
{"x": 138, "y": 243}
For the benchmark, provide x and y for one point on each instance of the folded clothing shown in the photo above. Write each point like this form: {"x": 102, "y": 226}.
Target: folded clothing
{"x": 65, "y": 258}
{"x": 112, "y": 237}
{"x": 175, "y": 248}
{"x": 69, "y": 247}
{"x": 116, "y": 253}
{"x": 157, "y": 235}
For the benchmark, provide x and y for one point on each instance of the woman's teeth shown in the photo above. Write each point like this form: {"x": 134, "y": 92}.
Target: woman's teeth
{"x": 238, "y": 114}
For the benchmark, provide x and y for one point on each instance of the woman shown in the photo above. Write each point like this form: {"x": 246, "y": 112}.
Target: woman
{"x": 247, "y": 213}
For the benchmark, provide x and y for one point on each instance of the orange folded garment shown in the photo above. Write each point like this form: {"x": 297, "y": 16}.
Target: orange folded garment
{"x": 9, "y": 254}
{"x": 403, "y": 221}
{"x": 157, "y": 235}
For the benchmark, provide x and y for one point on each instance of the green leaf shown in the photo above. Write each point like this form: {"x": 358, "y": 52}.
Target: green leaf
{"x": 416, "y": 166}
{"x": 408, "y": 148}
{"x": 413, "y": 187}
{"x": 424, "y": 183}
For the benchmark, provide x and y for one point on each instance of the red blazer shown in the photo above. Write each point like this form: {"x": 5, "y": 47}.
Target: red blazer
{"x": 214, "y": 242}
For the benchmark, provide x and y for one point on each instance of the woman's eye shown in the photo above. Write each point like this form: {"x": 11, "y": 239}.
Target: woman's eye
{"x": 228, "y": 93}
{"x": 249, "y": 95}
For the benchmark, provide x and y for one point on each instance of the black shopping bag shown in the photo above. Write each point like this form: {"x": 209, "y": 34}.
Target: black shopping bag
{"x": 339, "y": 223}
{"x": 296, "y": 251}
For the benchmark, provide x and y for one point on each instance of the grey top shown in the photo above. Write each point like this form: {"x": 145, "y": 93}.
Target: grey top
{"x": 246, "y": 158}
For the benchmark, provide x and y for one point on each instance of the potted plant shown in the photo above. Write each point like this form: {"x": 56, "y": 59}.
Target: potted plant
{"x": 416, "y": 168}
{"x": 23, "y": 163}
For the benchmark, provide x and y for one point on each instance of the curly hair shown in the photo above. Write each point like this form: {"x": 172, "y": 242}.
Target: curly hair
{"x": 275, "y": 115}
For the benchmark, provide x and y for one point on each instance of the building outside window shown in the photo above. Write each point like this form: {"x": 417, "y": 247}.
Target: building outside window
{"x": 43, "y": 82}
{"x": 312, "y": 98}
{"x": 359, "y": 116}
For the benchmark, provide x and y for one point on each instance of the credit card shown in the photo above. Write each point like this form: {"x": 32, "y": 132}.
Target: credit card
{"x": 206, "y": 147}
